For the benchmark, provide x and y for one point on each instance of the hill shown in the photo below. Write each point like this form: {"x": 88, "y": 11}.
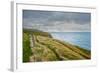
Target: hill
{"x": 41, "y": 46}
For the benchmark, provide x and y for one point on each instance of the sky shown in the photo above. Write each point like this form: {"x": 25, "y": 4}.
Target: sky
{"x": 57, "y": 21}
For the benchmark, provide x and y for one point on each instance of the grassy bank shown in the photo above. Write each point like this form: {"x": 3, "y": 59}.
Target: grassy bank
{"x": 46, "y": 48}
{"x": 27, "y": 52}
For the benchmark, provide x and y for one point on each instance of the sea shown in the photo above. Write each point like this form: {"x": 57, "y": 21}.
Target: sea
{"x": 82, "y": 39}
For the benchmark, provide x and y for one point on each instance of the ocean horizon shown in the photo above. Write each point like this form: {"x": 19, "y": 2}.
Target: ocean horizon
{"x": 82, "y": 39}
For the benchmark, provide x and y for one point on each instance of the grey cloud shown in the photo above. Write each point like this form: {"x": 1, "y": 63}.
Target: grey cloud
{"x": 36, "y": 18}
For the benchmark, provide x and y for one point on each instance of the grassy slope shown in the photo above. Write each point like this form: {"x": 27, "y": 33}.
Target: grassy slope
{"x": 26, "y": 47}
{"x": 48, "y": 49}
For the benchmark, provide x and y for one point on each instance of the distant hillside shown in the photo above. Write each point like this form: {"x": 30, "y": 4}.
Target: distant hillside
{"x": 37, "y": 32}
{"x": 41, "y": 46}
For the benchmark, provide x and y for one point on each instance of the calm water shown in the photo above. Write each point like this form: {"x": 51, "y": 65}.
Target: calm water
{"x": 82, "y": 39}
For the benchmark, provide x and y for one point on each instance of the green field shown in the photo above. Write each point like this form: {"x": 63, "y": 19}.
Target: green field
{"x": 46, "y": 48}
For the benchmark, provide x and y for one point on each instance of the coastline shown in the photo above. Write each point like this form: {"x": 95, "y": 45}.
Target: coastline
{"x": 46, "y": 48}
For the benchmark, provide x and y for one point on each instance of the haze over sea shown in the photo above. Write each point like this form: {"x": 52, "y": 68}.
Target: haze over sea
{"x": 82, "y": 39}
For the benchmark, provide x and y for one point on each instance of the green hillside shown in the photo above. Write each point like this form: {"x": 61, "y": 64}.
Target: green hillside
{"x": 41, "y": 46}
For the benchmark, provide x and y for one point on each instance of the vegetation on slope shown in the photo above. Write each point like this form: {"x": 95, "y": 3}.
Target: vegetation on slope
{"x": 26, "y": 47}
{"x": 37, "y": 32}
{"x": 46, "y": 48}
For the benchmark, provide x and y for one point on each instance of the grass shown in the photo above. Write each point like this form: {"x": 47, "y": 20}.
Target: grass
{"x": 77, "y": 49}
{"x": 59, "y": 48}
{"x": 37, "y": 32}
{"x": 46, "y": 48}
{"x": 26, "y": 47}
{"x": 84, "y": 50}
{"x": 43, "y": 53}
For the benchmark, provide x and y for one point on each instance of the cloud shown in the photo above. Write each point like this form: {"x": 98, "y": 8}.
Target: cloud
{"x": 56, "y": 21}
